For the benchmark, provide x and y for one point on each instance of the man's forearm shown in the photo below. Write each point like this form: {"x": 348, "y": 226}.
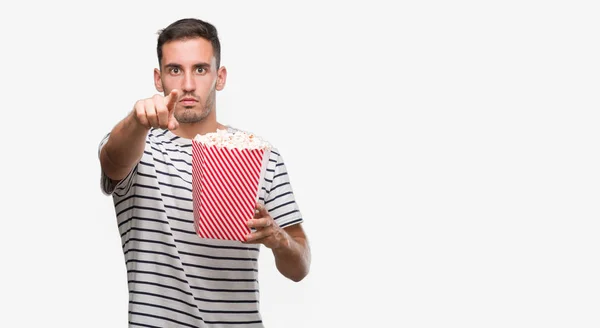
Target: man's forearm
{"x": 124, "y": 148}
{"x": 293, "y": 258}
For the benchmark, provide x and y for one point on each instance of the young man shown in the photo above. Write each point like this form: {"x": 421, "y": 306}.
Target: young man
{"x": 175, "y": 278}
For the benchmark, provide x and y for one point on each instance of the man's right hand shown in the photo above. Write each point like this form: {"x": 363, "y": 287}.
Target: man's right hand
{"x": 157, "y": 112}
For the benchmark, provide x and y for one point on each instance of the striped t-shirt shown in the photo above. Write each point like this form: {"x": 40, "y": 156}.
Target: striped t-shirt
{"x": 175, "y": 278}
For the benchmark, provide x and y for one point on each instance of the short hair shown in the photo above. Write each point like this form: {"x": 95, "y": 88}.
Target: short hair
{"x": 189, "y": 28}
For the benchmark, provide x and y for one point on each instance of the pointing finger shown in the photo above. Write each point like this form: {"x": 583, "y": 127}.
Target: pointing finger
{"x": 171, "y": 99}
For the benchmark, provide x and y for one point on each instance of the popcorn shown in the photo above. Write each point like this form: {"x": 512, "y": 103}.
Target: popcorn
{"x": 238, "y": 139}
{"x": 228, "y": 170}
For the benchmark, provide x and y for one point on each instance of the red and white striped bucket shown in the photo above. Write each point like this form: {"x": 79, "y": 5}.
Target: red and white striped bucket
{"x": 225, "y": 187}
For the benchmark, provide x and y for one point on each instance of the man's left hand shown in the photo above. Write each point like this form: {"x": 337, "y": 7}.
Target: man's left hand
{"x": 267, "y": 231}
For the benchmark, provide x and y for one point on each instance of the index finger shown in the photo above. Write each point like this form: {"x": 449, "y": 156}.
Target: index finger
{"x": 262, "y": 222}
{"x": 171, "y": 99}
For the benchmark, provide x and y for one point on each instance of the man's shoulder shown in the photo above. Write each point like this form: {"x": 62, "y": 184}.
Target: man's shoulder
{"x": 234, "y": 129}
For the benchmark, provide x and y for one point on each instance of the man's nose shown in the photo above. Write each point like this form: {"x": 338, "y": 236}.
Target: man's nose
{"x": 189, "y": 84}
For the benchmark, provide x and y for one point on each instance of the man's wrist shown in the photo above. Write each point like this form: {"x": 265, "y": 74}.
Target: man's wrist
{"x": 285, "y": 242}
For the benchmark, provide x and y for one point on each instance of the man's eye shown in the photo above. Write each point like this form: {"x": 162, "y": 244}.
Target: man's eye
{"x": 175, "y": 70}
{"x": 200, "y": 70}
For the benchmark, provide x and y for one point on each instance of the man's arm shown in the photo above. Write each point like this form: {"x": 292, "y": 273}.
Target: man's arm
{"x": 293, "y": 258}
{"x": 289, "y": 245}
{"x": 127, "y": 140}
{"x": 124, "y": 148}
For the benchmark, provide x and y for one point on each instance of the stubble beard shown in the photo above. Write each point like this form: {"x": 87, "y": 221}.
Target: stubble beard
{"x": 188, "y": 115}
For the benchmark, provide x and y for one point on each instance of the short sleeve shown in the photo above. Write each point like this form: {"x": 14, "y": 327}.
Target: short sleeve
{"x": 279, "y": 198}
{"x": 107, "y": 185}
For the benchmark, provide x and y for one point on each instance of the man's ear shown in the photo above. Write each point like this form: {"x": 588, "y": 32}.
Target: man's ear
{"x": 221, "y": 78}
{"x": 158, "y": 81}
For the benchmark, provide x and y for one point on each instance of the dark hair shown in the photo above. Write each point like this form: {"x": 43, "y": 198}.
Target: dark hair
{"x": 189, "y": 28}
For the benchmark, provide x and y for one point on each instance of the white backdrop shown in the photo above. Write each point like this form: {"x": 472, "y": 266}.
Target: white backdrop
{"x": 444, "y": 155}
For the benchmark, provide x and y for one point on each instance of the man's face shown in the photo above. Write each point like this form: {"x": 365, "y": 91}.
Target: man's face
{"x": 190, "y": 66}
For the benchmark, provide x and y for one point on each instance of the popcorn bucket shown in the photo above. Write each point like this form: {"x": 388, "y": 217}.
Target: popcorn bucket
{"x": 227, "y": 174}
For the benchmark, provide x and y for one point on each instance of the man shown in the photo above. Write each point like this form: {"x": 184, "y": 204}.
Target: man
{"x": 175, "y": 278}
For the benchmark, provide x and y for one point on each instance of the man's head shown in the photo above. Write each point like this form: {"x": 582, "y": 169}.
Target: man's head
{"x": 189, "y": 28}
{"x": 189, "y": 58}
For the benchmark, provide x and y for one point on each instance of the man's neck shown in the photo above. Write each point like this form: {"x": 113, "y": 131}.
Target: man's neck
{"x": 190, "y": 130}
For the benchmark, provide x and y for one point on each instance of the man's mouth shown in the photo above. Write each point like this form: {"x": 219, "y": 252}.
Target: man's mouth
{"x": 188, "y": 101}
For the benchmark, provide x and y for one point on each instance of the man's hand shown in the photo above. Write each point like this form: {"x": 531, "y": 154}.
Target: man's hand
{"x": 157, "y": 112}
{"x": 267, "y": 231}
{"x": 289, "y": 245}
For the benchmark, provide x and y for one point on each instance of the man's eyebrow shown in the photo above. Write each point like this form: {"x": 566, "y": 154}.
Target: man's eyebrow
{"x": 201, "y": 64}
{"x": 172, "y": 65}
{"x": 206, "y": 66}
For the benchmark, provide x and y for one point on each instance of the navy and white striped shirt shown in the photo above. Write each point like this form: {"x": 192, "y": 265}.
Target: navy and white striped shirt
{"x": 175, "y": 278}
